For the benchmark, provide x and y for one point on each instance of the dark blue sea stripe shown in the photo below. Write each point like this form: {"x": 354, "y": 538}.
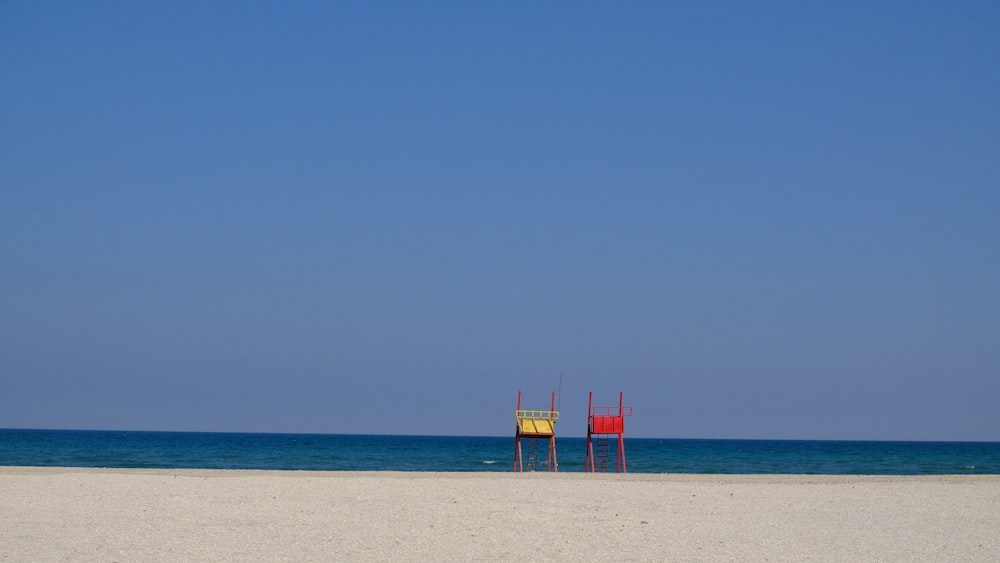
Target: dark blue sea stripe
{"x": 338, "y": 452}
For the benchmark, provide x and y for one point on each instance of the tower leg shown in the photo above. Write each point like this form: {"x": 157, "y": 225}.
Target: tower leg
{"x": 518, "y": 463}
{"x": 588, "y": 465}
{"x": 554, "y": 462}
{"x": 621, "y": 452}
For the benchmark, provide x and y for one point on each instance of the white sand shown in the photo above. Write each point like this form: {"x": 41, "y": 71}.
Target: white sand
{"x": 70, "y": 514}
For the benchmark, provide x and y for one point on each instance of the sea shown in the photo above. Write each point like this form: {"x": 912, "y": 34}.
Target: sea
{"x": 339, "y": 452}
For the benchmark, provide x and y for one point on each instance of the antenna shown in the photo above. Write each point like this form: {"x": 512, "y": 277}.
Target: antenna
{"x": 559, "y": 407}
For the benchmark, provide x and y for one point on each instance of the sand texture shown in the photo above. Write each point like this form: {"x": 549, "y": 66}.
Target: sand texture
{"x": 71, "y": 514}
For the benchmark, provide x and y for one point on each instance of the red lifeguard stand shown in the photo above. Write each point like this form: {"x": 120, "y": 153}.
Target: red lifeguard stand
{"x": 535, "y": 426}
{"x": 602, "y": 422}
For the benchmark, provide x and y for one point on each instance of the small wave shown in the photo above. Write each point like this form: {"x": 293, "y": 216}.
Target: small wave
{"x": 489, "y": 461}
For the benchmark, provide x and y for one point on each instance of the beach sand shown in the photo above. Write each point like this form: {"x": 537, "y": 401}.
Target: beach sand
{"x": 73, "y": 514}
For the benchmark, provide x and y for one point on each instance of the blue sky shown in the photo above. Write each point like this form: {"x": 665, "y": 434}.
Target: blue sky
{"x": 757, "y": 220}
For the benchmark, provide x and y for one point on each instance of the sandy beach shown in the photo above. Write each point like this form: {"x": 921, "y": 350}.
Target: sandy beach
{"x": 73, "y": 514}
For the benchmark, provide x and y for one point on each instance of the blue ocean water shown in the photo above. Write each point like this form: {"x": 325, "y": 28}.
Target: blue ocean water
{"x": 333, "y": 452}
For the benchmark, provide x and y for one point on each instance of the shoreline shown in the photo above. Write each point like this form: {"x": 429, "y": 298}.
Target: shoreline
{"x": 635, "y": 476}
{"x": 97, "y": 514}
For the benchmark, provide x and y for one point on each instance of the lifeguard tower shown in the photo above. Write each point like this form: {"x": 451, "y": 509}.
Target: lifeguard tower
{"x": 603, "y": 422}
{"x": 534, "y": 427}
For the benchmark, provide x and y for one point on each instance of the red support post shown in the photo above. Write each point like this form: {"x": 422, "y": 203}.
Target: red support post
{"x": 518, "y": 466}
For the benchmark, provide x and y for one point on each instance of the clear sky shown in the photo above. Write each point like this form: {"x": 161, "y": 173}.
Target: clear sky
{"x": 756, "y": 219}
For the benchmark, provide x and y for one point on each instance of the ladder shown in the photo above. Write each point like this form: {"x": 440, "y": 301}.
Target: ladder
{"x": 601, "y": 453}
{"x": 531, "y": 459}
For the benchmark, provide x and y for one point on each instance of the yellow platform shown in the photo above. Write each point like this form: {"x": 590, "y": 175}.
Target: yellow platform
{"x": 537, "y": 423}
{"x": 537, "y": 428}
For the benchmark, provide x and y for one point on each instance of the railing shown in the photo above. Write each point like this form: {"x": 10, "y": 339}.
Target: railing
{"x": 538, "y": 415}
{"x": 611, "y": 411}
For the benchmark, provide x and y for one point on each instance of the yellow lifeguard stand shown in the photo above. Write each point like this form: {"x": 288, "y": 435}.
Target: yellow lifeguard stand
{"x": 534, "y": 426}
